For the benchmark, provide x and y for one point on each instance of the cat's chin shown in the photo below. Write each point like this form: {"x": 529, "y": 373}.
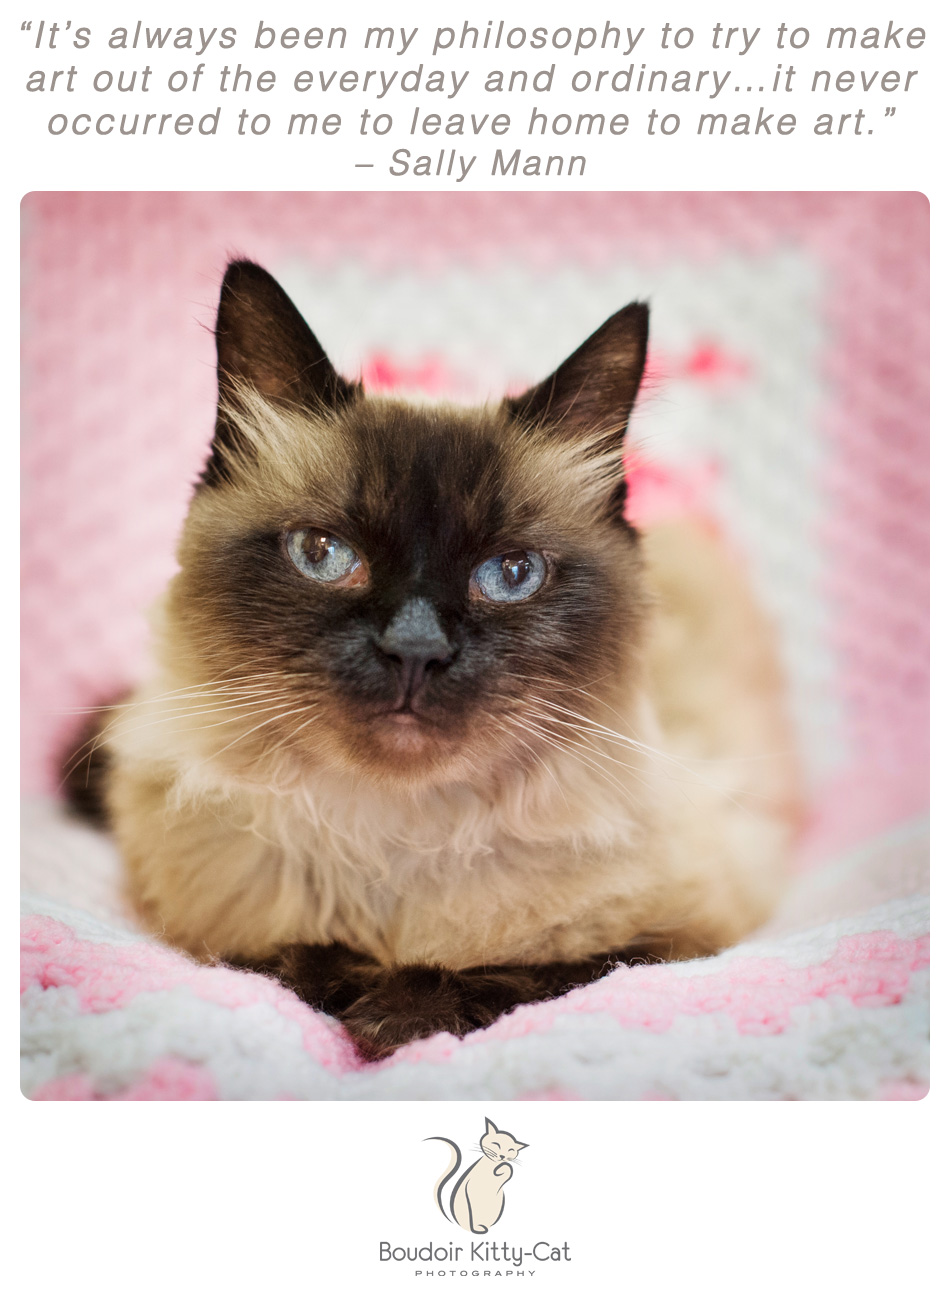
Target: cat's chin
{"x": 408, "y": 752}
{"x": 405, "y": 733}
{"x": 402, "y": 746}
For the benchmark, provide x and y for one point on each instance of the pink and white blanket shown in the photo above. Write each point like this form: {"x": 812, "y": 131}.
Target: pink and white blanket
{"x": 787, "y": 397}
{"x": 829, "y": 1001}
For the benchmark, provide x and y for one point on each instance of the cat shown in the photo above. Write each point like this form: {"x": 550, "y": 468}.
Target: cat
{"x": 431, "y": 730}
{"x": 477, "y": 1199}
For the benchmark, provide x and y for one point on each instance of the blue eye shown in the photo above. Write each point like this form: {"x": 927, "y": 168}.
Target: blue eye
{"x": 325, "y": 558}
{"x": 514, "y": 576}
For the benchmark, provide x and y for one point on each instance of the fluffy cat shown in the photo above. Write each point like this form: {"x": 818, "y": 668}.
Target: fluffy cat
{"x": 477, "y": 1199}
{"x": 431, "y": 730}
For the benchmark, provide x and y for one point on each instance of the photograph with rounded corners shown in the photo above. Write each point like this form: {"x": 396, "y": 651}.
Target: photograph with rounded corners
{"x": 475, "y": 645}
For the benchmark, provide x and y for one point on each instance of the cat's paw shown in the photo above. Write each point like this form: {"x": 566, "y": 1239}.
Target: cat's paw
{"x": 404, "y": 1004}
{"x": 386, "y": 1007}
{"x": 416, "y": 1000}
{"x": 327, "y": 977}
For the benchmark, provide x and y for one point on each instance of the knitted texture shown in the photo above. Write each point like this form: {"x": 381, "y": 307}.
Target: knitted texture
{"x": 786, "y": 397}
{"x": 813, "y": 1007}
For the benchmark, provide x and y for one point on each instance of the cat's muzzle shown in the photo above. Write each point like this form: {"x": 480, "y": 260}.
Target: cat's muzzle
{"x": 417, "y": 646}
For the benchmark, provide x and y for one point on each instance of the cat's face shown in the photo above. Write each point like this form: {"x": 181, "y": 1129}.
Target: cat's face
{"x": 413, "y": 587}
{"x": 499, "y": 1146}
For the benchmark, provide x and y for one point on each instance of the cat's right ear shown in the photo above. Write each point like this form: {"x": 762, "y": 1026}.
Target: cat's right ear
{"x": 265, "y": 346}
{"x": 593, "y": 391}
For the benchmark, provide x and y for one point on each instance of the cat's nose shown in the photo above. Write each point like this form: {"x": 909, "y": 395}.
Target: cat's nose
{"x": 415, "y": 640}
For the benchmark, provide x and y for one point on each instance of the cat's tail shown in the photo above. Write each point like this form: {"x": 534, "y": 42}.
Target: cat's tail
{"x": 454, "y": 1162}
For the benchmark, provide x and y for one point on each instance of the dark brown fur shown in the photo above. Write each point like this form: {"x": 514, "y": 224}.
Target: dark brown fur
{"x": 384, "y": 1008}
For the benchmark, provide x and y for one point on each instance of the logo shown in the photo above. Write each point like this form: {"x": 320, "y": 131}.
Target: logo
{"x": 474, "y": 1200}
{"x": 477, "y": 1200}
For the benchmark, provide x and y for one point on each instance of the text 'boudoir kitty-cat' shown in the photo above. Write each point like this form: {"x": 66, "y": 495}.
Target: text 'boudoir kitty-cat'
{"x": 478, "y": 1252}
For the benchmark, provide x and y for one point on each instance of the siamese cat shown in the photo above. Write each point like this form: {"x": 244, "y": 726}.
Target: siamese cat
{"x": 431, "y": 731}
{"x": 477, "y": 1199}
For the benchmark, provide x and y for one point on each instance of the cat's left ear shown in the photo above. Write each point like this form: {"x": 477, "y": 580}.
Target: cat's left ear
{"x": 263, "y": 342}
{"x": 521, "y": 1145}
{"x": 593, "y": 391}
{"x": 489, "y": 1127}
{"x": 265, "y": 346}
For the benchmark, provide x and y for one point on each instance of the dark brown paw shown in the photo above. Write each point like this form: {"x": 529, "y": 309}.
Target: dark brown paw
{"x": 328, "y": 977}
{"x": 404, "y": 1004}
{"x": 386, "y": 1007}
{"x": 417, "y": 1000}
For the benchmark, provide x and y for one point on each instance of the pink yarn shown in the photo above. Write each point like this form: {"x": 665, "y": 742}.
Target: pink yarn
{"x": 554, "y": 1094}
{"x": 903, "y": 1091}
{"x": 105, "y": 977}
{"x": 656, "y": 492}
{"x": 758, "y": 994}
{"x": 167, "y": 1080}
{"x": 870, "y": 970}
{"x": 383, "y": 374}
{"x": 67, "y": 1088}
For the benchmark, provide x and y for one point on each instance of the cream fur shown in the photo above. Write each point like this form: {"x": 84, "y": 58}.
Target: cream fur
{"x": 579, "y": 855}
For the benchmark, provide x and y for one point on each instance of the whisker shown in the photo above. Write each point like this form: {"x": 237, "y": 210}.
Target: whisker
{"x": 185, "y": 691}
{"x": 590, "y": 734}
{"x": 560, "y": 685}
{"x": 214, "y": 702}
{"x": 616, "y": 737}
{"x": 118, "y": 727}
{"x": 569, "y": 744}
{"x": 504, "y": 722}
{"x": 729, "y": 794}
{"x": 577, "y": 689}
{"x": 659, "y": 752}
{"x": 571, "y": 749}
{"x": 248, "y": 733}
{"x": 294, "y": 733}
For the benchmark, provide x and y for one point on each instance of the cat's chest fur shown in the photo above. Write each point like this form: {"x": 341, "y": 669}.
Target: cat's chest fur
{"x": 544, "y": 866}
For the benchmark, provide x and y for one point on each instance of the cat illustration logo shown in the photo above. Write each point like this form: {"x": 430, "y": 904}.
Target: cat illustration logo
{"x": 477, "y": 1200}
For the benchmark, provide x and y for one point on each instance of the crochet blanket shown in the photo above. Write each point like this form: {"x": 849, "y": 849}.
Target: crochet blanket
{"x": 828, "y": 1001}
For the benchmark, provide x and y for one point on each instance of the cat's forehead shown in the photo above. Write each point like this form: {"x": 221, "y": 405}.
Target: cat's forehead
{"x": 399, "y": 480}
{"x": 427, "y": 457}
{"x": 433, "y": 474}
{"x": 426, "y": 479}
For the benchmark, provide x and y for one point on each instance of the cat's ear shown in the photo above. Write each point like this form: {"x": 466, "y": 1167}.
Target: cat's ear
{"x": 489, "y": 1127}
{"x": 593, "y": 391}
{"x": 265, "y": 346}
{"x": 521, "y": 1145}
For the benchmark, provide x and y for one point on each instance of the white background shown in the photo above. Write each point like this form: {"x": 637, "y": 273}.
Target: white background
{"x": 644, "y": 1193}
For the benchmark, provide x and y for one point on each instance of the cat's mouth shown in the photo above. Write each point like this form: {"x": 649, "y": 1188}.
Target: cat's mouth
{"x": 405, "y": 711}
{"x": 404, "y": 734}
{"x": 405, "y": 737}
{"x": 403, "y": 717}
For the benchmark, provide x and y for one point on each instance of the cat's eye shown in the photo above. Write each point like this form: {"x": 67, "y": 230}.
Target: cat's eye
{"x": 516, "y": 575}
{"x": 325, "y": 558}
